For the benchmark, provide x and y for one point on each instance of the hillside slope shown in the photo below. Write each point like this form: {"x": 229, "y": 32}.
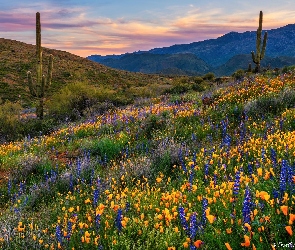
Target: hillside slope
{"x": 16, "y": 58}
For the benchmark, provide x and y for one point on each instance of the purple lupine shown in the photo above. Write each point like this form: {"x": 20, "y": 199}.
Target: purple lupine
{"x": 290, "y": 174}
{"x": 69, "y": 230}
{"x": 183, "y": 221}
{"x": 9, "y": 185}
{"x": 227, "y": 140}
{"x": 79, "y": 165}
{"x": 283, "y": 177}
{"x": 237, "y": 183}
{"x": 193, "y": 226}
{"x": 21, "y": 188}
{"x": 95, "y": 197}
{"x": 118, "y": 220}
{"x": 246, "y": 210}
{"x": 215, "y": 179}
{"x": 250, "y": 169}
{"x": 58, "y": 234}
{"x": 204, "y": 208}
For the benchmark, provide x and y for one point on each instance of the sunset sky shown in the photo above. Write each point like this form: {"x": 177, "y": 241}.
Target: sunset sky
{"x": 86, "y": 27}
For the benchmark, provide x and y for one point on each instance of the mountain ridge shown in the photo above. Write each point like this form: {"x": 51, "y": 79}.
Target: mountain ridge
{"x": 217, "y": 52}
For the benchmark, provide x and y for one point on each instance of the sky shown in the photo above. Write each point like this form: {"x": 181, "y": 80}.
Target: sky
{"x": 106, "y": 27}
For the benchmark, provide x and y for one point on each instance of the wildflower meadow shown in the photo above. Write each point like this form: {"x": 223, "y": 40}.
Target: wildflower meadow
{"x": 169, "y": 173}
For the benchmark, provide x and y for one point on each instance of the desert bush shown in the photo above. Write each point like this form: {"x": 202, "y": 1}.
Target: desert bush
{"x": 180, "y": 86}
{"x": 273, "y": 104}
{"x": 36, "y": 127}
{"x": 154, "y": 123}
{"x": 239, "y": 74}
{"x": 262, "y": 106}
{"x": 209, "y": 76}
{"x": 73, "y": 101}
{"x": 10, "y": 127}
{"x": 287, "y": 98}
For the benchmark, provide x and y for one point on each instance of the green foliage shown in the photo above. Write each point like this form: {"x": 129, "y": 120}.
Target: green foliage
{"x": 74, "y": 100}
{"x": 209, "y": 76}
{"x": 199, "y": 87}
{"x": 239, "y": 74}
{"x": 272, "y": 104}
{"x": 36, "y": 127}
{"x": 106, "y": 148}
{"x": 10, "y": 126}
{"x": 288, "y": 69}
{"x": 154, "y": 123}
{"x": 180, "y": 86}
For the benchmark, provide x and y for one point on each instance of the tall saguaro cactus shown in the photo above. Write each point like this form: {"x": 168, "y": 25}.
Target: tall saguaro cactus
{"x": 39, "y": 88}
{"x": 260, "y": 51}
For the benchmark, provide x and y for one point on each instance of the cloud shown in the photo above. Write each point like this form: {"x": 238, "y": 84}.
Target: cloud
{"x": 77, "y": 30}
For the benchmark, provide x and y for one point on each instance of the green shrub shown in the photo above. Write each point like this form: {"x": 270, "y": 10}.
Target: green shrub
{"x": 10, "y": 127}
{"x": 239, "y": 74}
{"x": 287, "y": 98}
{"x": 154, "y": 123}
{"x": 35, "y": 127}
{"x": 209, "y": 76}
{"x": 273, "y": 104}
{"x": 105, "y": 147}
{"x": 74, "y": 101}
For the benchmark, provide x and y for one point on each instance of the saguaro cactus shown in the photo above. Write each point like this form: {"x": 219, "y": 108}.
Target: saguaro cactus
{"x": 260, "y": 52}
{"x": 39, "y": 88}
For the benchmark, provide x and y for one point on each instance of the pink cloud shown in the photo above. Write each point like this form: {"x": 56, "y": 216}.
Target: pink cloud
{"x": 73, "y": 30}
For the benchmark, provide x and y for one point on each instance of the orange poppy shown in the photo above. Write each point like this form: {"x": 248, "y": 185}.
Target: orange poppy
{"x": 289, "y": 230}
{"x": 228, "y": 247}
{"x": 198, "y": 243}
{"x": 247, "y": 241}
{"x": 284, "y": 209}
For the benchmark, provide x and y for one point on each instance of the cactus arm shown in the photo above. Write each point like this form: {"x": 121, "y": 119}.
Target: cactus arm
{"x": 32, "y": 88}
{"x": 49, "y": 73}
{"x": 43, "y": 86}
{"x": 264, "y": 45}
{"x": 260, "y": 20}
{"x": 253, "y": 57}
{"x": 258, "y": 43}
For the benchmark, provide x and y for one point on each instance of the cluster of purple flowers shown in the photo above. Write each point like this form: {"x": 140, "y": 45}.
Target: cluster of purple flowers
{"x": 247, "y": 205}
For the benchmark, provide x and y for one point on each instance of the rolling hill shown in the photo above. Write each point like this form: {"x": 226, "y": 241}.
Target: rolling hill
{"x": 16, "y": 58}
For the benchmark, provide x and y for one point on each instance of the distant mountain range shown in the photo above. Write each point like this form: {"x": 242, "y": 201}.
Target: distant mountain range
{"x": 222, "y": 56}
